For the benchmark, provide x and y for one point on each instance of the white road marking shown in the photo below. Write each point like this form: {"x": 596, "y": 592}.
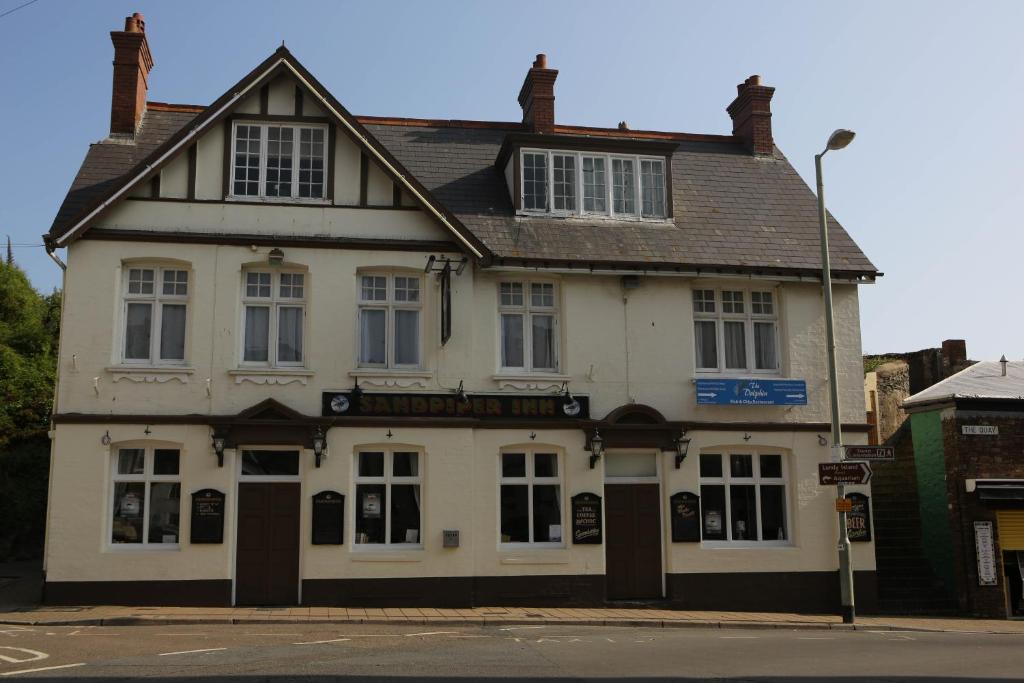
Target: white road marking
{"x": 374, "y": 635}
{"x": 896, "y": 637}
{"x": 271, "y": 634}
{"x": 16, "y": 630}
{"x": 190, "y": 652}
{"x": 431, "y": 633}
{"x": 472, "y": 636}
{"x": 34, "y": 655}
{"x": 320, "y": 642}
{"x": 181, "y": 634}
{"x": 44, "y": 668}
{"x": 519, "y": 628}
{"x": 814, "y": 638}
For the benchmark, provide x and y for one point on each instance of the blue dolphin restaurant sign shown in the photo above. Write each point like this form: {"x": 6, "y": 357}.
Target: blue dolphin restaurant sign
{"x": 752, "y": 392}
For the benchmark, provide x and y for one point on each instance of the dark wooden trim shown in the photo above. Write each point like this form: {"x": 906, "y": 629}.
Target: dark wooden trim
{"x": 669, "y": 200}
{"x": 517, "y": 181}
{"x": 300, "y": 205}
{"x": 279, "y": 118}
{"x": 193, "y": 151}
{"x": 154, "y": 186}
{"x": 184, "y": 593}
{"x": 813, "y": 592}
{"x": 229, "y": 151}
{"x": 396, "y": 195}
{"x": 298, "y": 100}
{"x": 265, "y": 99}
{"x": 331, "y": 138}
{"x": 245, "y": 240}
{"x": 364, "y": 178}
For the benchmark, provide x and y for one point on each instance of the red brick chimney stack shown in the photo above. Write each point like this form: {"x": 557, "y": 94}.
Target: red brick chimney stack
{"x": 751, "y": 114}
{"x": 132, "y": 64}
{"x": 537, "y": 97}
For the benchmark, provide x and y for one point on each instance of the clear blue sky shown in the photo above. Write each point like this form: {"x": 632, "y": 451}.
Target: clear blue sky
{"x": 933, "y": 89}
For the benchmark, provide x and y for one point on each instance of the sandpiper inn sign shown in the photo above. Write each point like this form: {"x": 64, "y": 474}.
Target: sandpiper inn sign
{"x": 752, "y": 392}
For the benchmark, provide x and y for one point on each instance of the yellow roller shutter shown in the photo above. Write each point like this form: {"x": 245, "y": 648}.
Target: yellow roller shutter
{"x": 1011, "y": 529}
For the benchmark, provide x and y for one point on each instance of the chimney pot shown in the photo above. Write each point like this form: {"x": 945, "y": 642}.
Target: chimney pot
{"x": 1003, "y": 362}
{"x": 537, "y": 97}
{"x": 541, "y": 62}
{"x": 751, "y": 115}
{"x": 132, "y": 64}
{"x": 623, "y": 125}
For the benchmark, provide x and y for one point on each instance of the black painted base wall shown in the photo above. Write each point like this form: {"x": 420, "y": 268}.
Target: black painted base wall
{"x": 807, "y": 592}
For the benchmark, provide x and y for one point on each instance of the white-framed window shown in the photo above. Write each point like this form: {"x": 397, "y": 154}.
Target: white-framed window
{"x": 155, "y": 315}
{"x": 388, "y": 496}
{"x": 273, "y": 317}
{"x": 146, "y": 496}
{"x": 390, "y": 306}
{"x": 528, "y": 325}
{"x": 275, "y": 160}
{"x": 735, "y": 330}
{"x": 530, "y": 482}
{"x": 554, "y": 181}
{"x": 743, "y": 497}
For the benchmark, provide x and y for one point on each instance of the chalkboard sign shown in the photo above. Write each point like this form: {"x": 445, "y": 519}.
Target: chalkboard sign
{"x": 685, "y": 511}
{"x": 858, "y": 519}
{"x": 207, "y": 517}
{"x": 586, "y": 519}
{"x": 328, "y": 518}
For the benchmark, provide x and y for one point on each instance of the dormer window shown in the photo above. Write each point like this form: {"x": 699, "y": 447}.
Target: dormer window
{"x": 277, "y": 162}
{"x": 552, "y": 183}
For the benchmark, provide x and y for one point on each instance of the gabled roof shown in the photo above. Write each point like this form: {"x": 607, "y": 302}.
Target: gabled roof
{"x": 151, "y": 153}
{"x": 983, "y": 380}
{"x": 733, "y": 212}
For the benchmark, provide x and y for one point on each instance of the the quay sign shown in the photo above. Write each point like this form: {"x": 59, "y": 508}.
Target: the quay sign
{"x": 483, "y": 407}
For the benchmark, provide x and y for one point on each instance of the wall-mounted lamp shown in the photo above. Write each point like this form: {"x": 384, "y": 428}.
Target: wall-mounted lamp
{"x": 822, "y": 441}
{"x": 105, "y": 439}
{"x": 218, "y": 447}
{"x": 596, "y": 448}
{"x": 275, "y": 257}
{"x": 319, "y": 442}
{"x": 460, "y": 394}
{"x": 682, "y": 446}
{"x": 571, "y": 407}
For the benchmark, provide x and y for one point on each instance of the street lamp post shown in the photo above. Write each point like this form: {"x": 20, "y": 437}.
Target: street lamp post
{"x": 838, "y": 140}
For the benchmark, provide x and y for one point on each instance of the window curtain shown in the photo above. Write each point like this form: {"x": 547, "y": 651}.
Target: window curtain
{"x": 735, "y": 345}
{"x": 372, "y": 336}
{"x": 543, "y": 342}
{"x": 289, "y": 334}
{"x": 257, "y": 333}
{"x": 512, "y": 340}
{"x": 172, "y": 332}
{"x": 407, "y": 341}
{"x": 138, "y": 327}
{"x": 706, "y": 342}
{"x": 765, "y": 356}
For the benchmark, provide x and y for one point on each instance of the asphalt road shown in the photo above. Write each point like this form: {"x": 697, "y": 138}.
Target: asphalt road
{"x": 311, "y": 652}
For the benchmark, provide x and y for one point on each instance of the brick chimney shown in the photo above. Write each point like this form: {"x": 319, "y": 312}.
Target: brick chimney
{"x": 954, "y": 355}
{"x": 751, "y": 114}
{"x": 537, "y": 97}
{"x": 132, "y": 63}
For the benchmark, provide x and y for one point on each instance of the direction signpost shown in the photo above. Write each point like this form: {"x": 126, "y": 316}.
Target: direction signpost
{"x": 844, "y": 473}
{"x": 880, "y": 453}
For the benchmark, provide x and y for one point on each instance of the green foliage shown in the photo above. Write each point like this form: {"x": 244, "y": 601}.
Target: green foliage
{"x": 29, "y": 328}
{"x": 872, "y": 363}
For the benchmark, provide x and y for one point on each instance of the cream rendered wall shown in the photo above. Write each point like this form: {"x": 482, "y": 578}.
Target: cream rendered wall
{"x": 281, "y": 97}
{"x": 379, "y": 187}
{"x": 346, "y": 170}
{"x": 210, "y": 164}
{"x": 174, "y": 178}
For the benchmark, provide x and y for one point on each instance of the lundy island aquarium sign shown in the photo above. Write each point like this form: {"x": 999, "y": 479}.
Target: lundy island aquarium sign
{"x": 483, "y": 407}
{"x": 752, "y": 392}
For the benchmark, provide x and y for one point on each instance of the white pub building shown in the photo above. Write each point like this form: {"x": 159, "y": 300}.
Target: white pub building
{"x": 313, "y": 358}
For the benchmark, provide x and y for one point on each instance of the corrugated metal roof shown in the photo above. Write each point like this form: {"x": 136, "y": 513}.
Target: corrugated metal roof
{"x": 982, "y": 380}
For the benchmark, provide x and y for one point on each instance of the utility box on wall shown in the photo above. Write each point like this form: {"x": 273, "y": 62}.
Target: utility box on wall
{"x": 451, "y": 538}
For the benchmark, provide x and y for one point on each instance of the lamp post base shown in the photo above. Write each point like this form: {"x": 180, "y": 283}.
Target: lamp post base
{"x": 849, "y": 612}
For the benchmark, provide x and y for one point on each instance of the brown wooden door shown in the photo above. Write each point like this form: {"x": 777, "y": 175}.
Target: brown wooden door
{"x": 267, "y": 562}
{"x": 633, "y": 546}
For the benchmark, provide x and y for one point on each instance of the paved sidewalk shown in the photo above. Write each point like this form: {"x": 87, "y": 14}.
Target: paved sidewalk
{"x": 110, "y": 615}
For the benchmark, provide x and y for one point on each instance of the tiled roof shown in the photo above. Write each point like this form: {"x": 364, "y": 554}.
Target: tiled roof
{"x": 982, "y": 380}
{"x": 732, "y": 210}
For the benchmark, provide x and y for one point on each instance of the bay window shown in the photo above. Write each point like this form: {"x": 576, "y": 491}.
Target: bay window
{"x": 155, "y": 311}
{"x": 743, "y": 497}
{"x": 531, "y": 498}
{"x": 528, "y": 320}
{"x": 279, "y": 160}
{"x": 146, "y": 506}
{"x": 735, "y": 330}
{"x": 389, "y": 320}
{"x": 273, "y": 318}
{"x": 554, "y": 181}
{"x": 388, "y": 497}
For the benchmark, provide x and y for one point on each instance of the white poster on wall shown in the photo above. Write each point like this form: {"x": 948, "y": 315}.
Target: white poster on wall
{"x": 985, "y": 548}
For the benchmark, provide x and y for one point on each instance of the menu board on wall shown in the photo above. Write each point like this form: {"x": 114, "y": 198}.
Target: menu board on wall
{"x": 685, "y": 511}
{"x": 207, "y": 517}
{"x": 586, "y": 519}
{"x": 858, "y": 519}
{"x": 328, "y": 518}
{"x": 985, "y": 548}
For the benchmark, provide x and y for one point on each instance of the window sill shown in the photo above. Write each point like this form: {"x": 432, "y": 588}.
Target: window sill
{"x": 410, "y": 554}
{"x": 540, "y": 381}
{"x": 271, "y": 375}
{"x": 555, "y": 554}
{"x": 747, "y": 545}
{"x": 151, "y": 373}
{"x": 742, "y": 374}
{"x": 384, "y": 377}
{"x": 143, "y": 547}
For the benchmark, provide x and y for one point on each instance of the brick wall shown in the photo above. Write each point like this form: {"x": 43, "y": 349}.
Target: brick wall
{"x": 979, "y": 457}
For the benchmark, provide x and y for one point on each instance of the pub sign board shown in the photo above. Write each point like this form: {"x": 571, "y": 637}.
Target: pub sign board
{"x": 483, "y": 407}
{"x": 207, "y": 517}
{"x": 328, "y": 518}
{"x": 586, "y": 519}
{"x": 858, "y": 519}
{"x": 752, "y": 392}
{"x": 685, "y": 513}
